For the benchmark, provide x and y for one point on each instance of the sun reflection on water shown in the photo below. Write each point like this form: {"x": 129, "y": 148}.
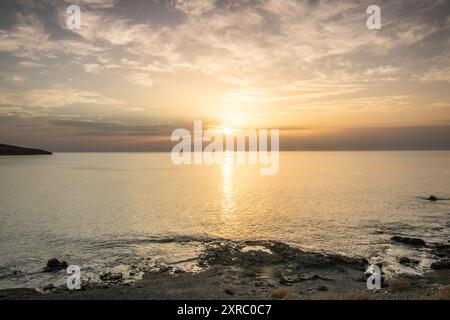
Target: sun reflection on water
{"x": 228, "y": 195}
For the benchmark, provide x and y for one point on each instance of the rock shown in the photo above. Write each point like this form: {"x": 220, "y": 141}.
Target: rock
{"x": 340, "y": 269}
{"x": 229, "y": 292}
{"x": 163, "y": 269}
{"x": 279, "y": 294}
{"x": 369, "y": 274}
{"x": 49, "y": 287}
{"x": 111, "y": 277}
{"x": 314, "y": 278}
{"x": 227, "y": 253}
{"x": 435, "y": 199}
{"x": 178, "y": 271}
{"x": 362, "y": 278}
{"x": 287, "y": 281}
{"x": 321, "y": 288}
{"x": 16, "y": 273}
{"x": 408, "y": 262}
{"x": 54, "y": 265}
{"x": 441, "y": 265}
{"x": 157, "y": 269}
{"x": 250, "y": 273}
{"x": 409, "y": 241}
{"x": 318, "y": 277}
{"x": 399, "y": 285}
{"x": 318, "y": 288}
{"x": 442, "y": 250}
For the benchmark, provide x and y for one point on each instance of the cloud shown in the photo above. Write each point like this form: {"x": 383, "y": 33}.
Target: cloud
{"x": 359, "y": 105}
{"x": 27, "y": 39}
{"x": 441, "y": 104}
{"x": 31, "y": 65}
{"x": 436, "y": 74}
{"x": 239, "y": 43}
{"x": 30, "y": 40}
{"x": 378, "y": 138}
{"x": 383, "y": 70}
{"x": 92, "y": 68}
{"x": 14, "y": 78}
{"x": 141, "y": 79}
{"x": 95, "y": 4}
{"x": 56, "y": 97}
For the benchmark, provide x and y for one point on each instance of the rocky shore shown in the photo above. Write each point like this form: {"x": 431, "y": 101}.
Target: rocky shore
{"x": 263, "y": 270}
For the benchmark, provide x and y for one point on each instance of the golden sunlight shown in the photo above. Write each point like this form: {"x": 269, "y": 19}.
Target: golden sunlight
{"x": 227, "y": 131}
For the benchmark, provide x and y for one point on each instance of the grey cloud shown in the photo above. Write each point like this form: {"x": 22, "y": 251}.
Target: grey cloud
{"x": 118, "y": 129}
{"x": 389, "y": 138}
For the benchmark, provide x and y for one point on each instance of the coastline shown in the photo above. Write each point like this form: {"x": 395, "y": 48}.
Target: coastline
{"x": 257, "y": 270}
{"x": 9, "y": 150}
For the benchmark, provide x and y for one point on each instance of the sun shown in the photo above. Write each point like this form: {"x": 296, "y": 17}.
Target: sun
{"x": 227, "y": 131}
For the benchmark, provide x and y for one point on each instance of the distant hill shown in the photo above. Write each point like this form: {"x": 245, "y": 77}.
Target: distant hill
{"x": 7, "y": 150}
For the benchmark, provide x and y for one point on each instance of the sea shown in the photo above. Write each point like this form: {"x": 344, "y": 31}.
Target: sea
{"x": 111, "y": 212}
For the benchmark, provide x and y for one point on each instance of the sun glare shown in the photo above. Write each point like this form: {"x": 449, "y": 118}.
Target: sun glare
{"x": 227, "y": 131}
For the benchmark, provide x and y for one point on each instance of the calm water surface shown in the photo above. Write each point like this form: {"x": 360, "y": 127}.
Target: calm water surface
{"x": 107, "y": 211}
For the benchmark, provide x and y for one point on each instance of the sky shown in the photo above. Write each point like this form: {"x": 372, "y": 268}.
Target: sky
{"x": 137, "y": 70}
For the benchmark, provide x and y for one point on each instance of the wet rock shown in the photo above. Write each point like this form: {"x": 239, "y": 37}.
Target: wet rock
{"x": 408, "y": 262}
{"x": 179, "y": 271}
{"x": 441, "y": 265}
{"x": 442, "y": 250}
{"x": 318, "y": 277}
{"x": 157, "y": 269}
{"x": 317, "y": 288}
{"x": 288, "y": 281}
{"x": 362, "y": 278}
{"x": 313, "y": 278}
{"x": 250, "y": 273}
{"x": 229, "y": 292}
{"x": 49, "y": 287}
{"x": 232, "y": 254}
{"x": 435, "y": 199}
{"x": 54, "y": 265}
{"x": 164, "y": 269}
{"x": 321, "y": 288}
{"x": 111, "y": 277}
{"x": 16, "y": 273}
{"x": 409, "y": 241}
{"x": 340, "y": 269}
